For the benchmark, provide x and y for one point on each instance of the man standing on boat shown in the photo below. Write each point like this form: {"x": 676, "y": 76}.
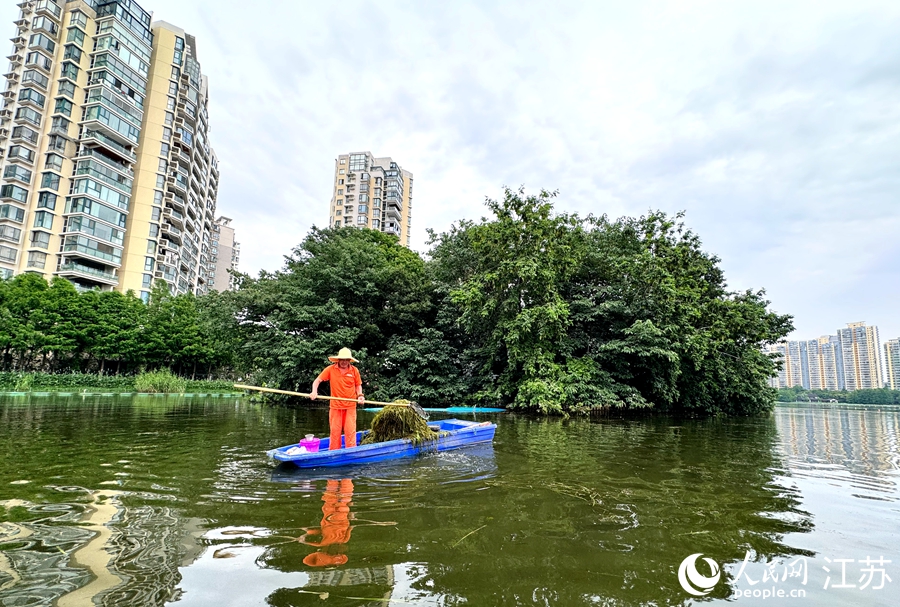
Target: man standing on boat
{"x": 345, "y": 383}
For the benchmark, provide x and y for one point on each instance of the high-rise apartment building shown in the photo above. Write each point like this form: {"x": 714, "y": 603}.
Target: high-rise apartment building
{"x": 372, "y": 193}
{"x": 108, "y": 179}
{"x": 226, "y": 254}
{"x": 816, "y": 364}
{"x": 862, "y": 359}
{"x": 892, "y": 363}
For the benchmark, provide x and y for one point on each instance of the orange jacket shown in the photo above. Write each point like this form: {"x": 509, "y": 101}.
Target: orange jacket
{"x": 342, "y": 384}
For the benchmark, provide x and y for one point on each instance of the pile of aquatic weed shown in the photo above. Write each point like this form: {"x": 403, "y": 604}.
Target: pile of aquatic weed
{"x": 398, "y": 420}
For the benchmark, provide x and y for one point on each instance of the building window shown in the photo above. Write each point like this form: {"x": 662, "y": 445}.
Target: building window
{"x": 43, "y": 219}
{"x": 69, "y": 70}
{"x": 28, "y": 94}
{"x": 23, "y": 132}
{"x": 54, "y": 161}
{"x": 154, "y": 230}
{"x": 157, "y": 197}
{"x": 376, "y": 224}
{"x": 155, "y": 213}
{"x": 376, "y": 203}
{"x": 50, "y": 180}
{"x": 67, "y": 88}
{"x": 28, "y": 115}
{"x": 36, "y": 259}
{"x": 170, "y": 118}
{"x": 14, "y": 171}
{"x": 338, "y": 212}
{"x": 75, "y": 35}
{"x": 167, "y": 134}
{"x": 160, "y": 181}
{"x": 343, "y": 161}
{"x": 163, "y": 165}
{"x": 47, "y": 200}
{"x": 60, "y": 125}
{"x": 363, "y": 208}
{"x": 151, "y": 247}
{"x": 14, "y": 192}
{"x": 7, "y": 254}
{"x": 176, "y": 73}
{"x": 364, "y": 198}
{"x": 78, "y": 18}
{"x": 147, "y": 281}
{"x": 149, "y": 263}
{"x": 57, "y": 143}
{"x": 63, "y": 106}
{"x": 38, "y": 60}
{"x": 43, "y": 42}
{"x": 341, "y": 171}
{"x": 358, "y": 162}
{"x": 361, "y": 220}
{"x": 40, "y": 240}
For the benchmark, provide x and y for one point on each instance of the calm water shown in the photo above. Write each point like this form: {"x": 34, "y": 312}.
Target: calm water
{"x": 171, "y": 500}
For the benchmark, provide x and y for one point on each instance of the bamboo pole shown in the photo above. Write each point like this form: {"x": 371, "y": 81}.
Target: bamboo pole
{"x": 290, "y": 393}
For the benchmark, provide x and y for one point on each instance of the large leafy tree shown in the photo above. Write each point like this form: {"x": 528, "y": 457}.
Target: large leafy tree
{"x": 339, "y": 287}
{"x": 565, "y": 314}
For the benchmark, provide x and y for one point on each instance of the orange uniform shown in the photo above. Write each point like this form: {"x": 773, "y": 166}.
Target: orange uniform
{"x": 343, "y": 383}
{"x": 335, "y": 528}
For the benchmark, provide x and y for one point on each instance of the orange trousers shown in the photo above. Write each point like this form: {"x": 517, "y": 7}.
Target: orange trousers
{"x": 342, "y": 420}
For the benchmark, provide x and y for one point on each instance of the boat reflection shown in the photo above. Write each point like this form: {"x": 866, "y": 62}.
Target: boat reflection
{"x": 334, "y": 531}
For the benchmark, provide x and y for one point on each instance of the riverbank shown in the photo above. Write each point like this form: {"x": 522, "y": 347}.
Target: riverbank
{"x": 88, "y": 383}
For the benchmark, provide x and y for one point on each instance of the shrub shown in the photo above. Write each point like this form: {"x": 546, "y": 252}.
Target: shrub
{"x": 159, "y": 381}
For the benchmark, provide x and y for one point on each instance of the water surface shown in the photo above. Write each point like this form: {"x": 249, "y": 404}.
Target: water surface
{"x": 171, "y": 500}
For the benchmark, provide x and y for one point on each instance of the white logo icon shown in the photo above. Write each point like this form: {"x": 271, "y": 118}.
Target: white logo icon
{"x": 691, "y": 580}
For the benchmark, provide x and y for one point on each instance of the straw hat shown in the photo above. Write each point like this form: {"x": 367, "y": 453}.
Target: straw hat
{"x": 344, "y": 354}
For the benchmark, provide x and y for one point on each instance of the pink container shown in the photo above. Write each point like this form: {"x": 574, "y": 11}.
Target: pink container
{"x": 310, "y": 442}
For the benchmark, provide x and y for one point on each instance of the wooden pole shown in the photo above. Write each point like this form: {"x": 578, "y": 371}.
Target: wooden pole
{"x": 290, "y": 393}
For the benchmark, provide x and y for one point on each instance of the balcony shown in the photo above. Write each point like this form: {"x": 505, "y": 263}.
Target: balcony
{"x": 46, "y": 7}
{"x": 72, "y": 248}
{"x": 79, "y": 270}
{"x": 173, "y": 216}
{"x": 172, "y": 233}
{"x": 87, "y": 152}
{"x": 109, "y": 144}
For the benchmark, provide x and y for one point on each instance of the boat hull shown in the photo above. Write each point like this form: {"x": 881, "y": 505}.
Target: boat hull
{"x": 457, "y": 434}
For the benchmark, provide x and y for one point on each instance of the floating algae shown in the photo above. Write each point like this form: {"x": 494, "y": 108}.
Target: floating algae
{"x": 399, "y": 421}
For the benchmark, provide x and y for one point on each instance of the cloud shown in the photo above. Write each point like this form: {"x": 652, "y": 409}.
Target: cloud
{"x": 774, "y": 125}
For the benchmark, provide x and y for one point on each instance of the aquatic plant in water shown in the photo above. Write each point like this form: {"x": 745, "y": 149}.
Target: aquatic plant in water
{"x": 399, "y": 421}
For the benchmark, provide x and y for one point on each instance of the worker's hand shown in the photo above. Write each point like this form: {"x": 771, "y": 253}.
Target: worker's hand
{"x": 361, "y": 399}
{"x": 313, "y": 396}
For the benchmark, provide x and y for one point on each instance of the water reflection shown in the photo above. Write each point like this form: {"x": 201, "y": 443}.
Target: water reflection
{"x": 335, "y": 528}
{"x": 555, "y": 512}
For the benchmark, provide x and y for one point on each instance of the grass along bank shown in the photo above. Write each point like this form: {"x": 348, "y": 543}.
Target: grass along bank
{"x": 151, "y": 381}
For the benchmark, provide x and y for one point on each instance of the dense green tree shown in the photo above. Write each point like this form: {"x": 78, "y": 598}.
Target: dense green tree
{"x": 340, "y": 287}
{"x": 566, "y": 314}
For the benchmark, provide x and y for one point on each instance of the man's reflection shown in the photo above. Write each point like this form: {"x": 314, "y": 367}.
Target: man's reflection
{"x": 335, "y": 529}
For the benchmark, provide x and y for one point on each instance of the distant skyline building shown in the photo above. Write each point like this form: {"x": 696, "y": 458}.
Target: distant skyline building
{"x": 850, "y": 360}
{"x": 226, "y": 254}
{"x": 107, "y": 179}
{"x": 861, "y": 347}
{"x": 372, "y": 192}
{"x": 892, "y": 363}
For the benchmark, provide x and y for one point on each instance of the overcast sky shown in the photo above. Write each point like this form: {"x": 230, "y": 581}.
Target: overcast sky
{"x": 775, "y": 126}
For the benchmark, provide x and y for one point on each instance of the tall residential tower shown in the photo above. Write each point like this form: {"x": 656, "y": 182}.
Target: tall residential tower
{"x": 892, "y": 363}
{"x": 372, "y": 192}
{"x": 226, "y": 254}
{"x": 108, "y": 179}
{"x": 862, "y": 359}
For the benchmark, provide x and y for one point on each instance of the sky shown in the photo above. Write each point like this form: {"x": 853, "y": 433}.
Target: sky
{"x": 775, "y": 126}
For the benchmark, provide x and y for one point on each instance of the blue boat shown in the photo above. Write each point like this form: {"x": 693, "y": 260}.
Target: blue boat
{"x": 459, "y": 433}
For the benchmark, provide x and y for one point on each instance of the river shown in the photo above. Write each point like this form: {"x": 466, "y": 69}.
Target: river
{"x": 159, "y": 500}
